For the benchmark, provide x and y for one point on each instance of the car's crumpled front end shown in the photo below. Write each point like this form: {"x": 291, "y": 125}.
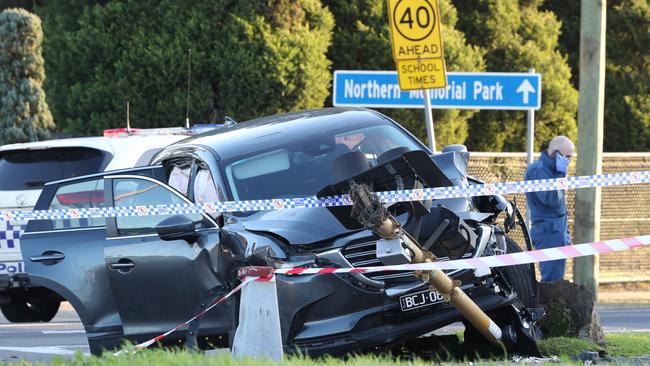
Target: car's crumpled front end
{"x": 341, "y": 313}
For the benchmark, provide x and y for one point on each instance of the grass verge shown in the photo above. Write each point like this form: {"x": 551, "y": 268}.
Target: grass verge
{"x": 564, "y": 346}
{"x": 621, "y": 344}
{"x": 618, "y": 344}
{"x": 177, "y": 358}
{"x": 628, "y": 344}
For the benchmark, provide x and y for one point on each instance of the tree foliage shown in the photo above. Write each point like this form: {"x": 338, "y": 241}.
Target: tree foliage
{"x": 252, "y": 58}
{"x": 627, "y": 79}
{"x": 24, "y": 114}
{"x": 247, "y": 59}
{"x": 491, "y": 35}
{"x": 362, "y": 42}
{"x": 22, "y": 4}
{"x": 518, "y": 36}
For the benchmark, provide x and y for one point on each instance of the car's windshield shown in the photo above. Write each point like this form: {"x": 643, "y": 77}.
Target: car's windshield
{"x": 302, "y": 168}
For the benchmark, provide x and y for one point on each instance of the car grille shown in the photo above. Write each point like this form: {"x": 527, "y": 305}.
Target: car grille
{"x": 365, "y": 255}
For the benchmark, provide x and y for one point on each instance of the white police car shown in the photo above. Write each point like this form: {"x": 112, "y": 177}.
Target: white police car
{"x": 26, "y": 167}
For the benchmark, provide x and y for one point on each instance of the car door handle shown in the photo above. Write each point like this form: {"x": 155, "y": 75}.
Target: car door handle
{"x": 123, "y": 266}
{"x": 48, "y": 257}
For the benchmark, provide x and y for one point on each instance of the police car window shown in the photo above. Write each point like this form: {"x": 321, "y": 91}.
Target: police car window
{"x": 87, "y": 194}
{"x": 139, "y": 192}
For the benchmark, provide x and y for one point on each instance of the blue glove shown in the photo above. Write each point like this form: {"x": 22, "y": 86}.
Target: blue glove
{"x": 561, "y": 163}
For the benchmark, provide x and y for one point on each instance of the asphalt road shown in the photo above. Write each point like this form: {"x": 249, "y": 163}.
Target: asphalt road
{"x": 624, "y": 319}
{"x": 64, "y": 335}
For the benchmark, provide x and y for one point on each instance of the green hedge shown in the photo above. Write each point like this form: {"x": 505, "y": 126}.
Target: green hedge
{"x": 248, "y": 59}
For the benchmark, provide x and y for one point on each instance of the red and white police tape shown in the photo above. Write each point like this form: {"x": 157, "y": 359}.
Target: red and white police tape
{"x": 512, "y": 259}
{"x": 503, "y": 260}
{"x": 148, "y": 343}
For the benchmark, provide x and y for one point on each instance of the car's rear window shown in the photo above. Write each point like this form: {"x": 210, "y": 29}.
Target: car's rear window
{"x": 31, "y": 169}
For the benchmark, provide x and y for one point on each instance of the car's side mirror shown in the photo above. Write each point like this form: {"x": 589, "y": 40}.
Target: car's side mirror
{"x": 177, "y": 227}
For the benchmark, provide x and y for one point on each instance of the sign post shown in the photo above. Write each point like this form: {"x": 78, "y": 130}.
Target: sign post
{"x": 428, "y": 116}
{"x": 416, "y": 39}
{"x": 530, "y": 135}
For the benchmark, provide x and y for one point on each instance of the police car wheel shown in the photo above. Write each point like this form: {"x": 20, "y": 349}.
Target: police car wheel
{"x": 19, "y": 310}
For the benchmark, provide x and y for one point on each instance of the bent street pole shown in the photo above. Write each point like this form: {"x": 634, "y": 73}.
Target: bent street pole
{"x": 590, "y": 136}
{"x": 368, "y": 210}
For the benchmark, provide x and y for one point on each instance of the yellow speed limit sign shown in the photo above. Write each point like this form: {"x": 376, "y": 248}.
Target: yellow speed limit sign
{"x": 416, "y": 38}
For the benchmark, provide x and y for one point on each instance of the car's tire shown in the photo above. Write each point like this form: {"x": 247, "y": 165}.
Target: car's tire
{"x": 20, "y": 310}
{"x": 522, "y": 278}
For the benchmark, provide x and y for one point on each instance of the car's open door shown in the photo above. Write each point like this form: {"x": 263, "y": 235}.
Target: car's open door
{"x": 66, "y": 255}
{"x": 159, "y": 281}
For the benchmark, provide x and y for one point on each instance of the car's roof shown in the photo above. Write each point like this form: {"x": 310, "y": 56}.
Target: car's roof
{"x": 265, "y": 132}
{"x": 110, "y": 144}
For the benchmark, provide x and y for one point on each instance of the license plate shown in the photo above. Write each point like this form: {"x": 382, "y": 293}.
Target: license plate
{"x": 419, "y": 300}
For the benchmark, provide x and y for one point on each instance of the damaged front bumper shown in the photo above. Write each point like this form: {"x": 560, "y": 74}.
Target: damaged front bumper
{"x": 331, "y": 314}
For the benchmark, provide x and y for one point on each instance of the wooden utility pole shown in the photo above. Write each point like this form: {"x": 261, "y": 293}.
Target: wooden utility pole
{"x": 590, "y": 135}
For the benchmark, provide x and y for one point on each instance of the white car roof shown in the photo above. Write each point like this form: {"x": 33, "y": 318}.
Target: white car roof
{"x": 126, "y": 150}
{"x": 100, "y": 142}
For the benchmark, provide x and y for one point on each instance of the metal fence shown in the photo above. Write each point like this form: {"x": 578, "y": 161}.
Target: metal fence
{"x": 625, "y": 210}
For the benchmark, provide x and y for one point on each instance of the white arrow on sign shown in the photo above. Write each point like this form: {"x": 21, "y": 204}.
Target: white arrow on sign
{"x": 525, "y": 88}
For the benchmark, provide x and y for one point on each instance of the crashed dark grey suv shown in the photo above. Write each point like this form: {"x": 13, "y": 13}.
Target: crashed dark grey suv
{"x": 132, "y": 278}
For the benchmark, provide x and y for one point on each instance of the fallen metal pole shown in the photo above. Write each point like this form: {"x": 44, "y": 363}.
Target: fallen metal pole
{"x": 444, "y": 285}
{"x": 373, "y": 215}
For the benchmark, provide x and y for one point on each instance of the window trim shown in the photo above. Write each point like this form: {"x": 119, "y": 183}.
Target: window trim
{"x": 194, "y": 168}
{"x": 200, "y": 155}
{"x": 64, "y": 230}
{"x": 111, "y": 223}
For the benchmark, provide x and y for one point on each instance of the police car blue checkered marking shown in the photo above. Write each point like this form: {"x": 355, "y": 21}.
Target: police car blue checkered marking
{"x": 11, "y": 234}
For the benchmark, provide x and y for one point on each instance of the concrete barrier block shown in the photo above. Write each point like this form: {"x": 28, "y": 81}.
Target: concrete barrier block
{"x": 258, "y": 334}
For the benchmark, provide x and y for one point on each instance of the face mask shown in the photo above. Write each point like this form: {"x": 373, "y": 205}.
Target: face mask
{"x": 561, "y": 163}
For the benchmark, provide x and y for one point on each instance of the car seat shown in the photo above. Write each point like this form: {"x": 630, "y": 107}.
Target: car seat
{"x": 349, "y": 165}
{"x": 392, "y": 154}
